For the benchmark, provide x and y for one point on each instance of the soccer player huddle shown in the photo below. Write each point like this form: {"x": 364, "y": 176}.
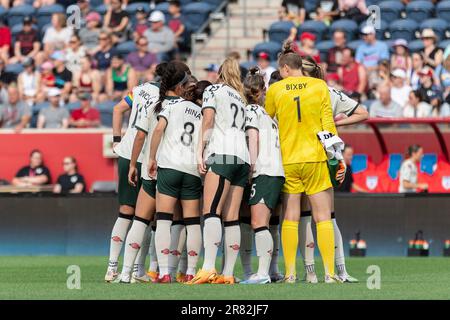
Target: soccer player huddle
{"x": 237, "y": 157}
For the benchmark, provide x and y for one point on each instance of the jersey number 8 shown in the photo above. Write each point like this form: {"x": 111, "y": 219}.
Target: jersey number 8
{"x": 186, "y": 137}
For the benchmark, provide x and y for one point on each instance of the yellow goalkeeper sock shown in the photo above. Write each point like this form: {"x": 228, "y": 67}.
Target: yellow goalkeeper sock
{"x": 289, "y": 242}
{"x": 325, "y": 241}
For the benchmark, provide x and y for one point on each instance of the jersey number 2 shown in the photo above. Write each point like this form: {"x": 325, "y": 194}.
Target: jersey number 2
{"x": 236, "y": 111}
{"x": 299, "y": 114}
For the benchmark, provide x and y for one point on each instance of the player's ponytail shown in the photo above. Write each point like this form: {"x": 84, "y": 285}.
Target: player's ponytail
{"x": 288, "y": 57}
{"x": 310, "y": 68}
{"x": 254, "y": 86}
{"x": 170, "y": 79}
{"x": 230, "y": 74}
{"x": 159, "y": 71}
{"x": 199, "y": 89}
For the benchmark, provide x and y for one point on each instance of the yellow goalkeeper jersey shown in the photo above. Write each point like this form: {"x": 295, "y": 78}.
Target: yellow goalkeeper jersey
{"x": 302, "y": 107}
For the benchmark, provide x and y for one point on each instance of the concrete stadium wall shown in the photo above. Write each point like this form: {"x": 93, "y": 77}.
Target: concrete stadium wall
{"x": 81, "y": 225}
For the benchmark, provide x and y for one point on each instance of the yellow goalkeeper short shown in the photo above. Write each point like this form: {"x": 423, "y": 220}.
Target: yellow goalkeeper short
{"x": 308, "y": 177}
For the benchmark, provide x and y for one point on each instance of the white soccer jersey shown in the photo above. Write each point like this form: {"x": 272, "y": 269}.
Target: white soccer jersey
{"x": 178, "y": 146}
{"x": 137, "y": 99}
{"x": 408, "y": 172}
{"x": 228, "y": 134}
{"x": 269, "y": 160}
{"x": 341, "y": 103}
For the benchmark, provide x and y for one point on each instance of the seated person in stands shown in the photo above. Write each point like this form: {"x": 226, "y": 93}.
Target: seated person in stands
{"x": 384, "y": 107}
{"x": 354, "y": 10}
{"x": 90, "y": 33}
{"x": 326, "y": 11}
{"x": 352, "y": 75}
{"x": 120, "y": 79}
{"x": 416, "y": 107}
{"x": 142, "y": 61}
{"x": 264, "y": 66}
{"x": 5, "y": 40}
{"x": 161, "y": 39}
{"x": 348, "y": 185}
{"x": 86, "y": 116}
{"x": 87, "y": 80}
{"x": 53, "y": 116}
{"x": 116, "y": 21}
{"x": 27, "y": 43}
{"x": 142, "y": 24}
{"x": 408, "y": 171}
{"x": 29, "y": 82}
{"x": 35, "y": 174}
{"x": 334, "y": 55}
{"x": 429, "y": 91}
{"x": 63, "y": 76}
{"x": 71, "y": 181}
{"x": 295, "y": 10}
{"x": 175, "y": 23}
{"x": 57, "y": 36}
{"x": 15, "y": 113}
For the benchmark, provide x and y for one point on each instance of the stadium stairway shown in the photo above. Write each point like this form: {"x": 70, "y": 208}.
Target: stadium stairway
{"x": 260, "y": 14}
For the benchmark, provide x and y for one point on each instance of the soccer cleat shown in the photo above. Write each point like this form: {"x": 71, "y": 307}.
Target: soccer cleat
{"x": 311, "y": 277}
{"x": 203, "y": 276}
{"x": 153, "y": 275}
{"x": 180, "y": 278}
{"x": 276, "y": 278}
{"x": 221, "y": 279}
{"x": 188, "y": 278}
{"x": 164, "y": 279}
{"x": 332, "y": 279}
{"x": 257, "y": 279}
{"x": 142, "y": 279}
{"x": 125, "y": 278}
{"x": 291, "y": 279}
{"x": 111, "y": 275}
{"x": 346, "y": 278}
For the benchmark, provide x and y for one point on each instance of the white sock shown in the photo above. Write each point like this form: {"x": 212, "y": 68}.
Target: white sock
{"x": 153, "y": 267}
{"x": 339, "y": 251}
{"x": 264, "y": 248}
{"x": 118, "y": 234}
{"x": 133, "y": 243}
{"x": 212, "y": 237}
{"x": 139, "y": 265}
{"x": 246, "y": 248}
{"x": 162, "y": 242}
{"x": 193, "y": 246}
{"x": 177, "y": 242}
{"x": 275, "y": 233}
{"x": 232, "y": 244}
{"x": 182, "y": 266}
{"x": 306, "y": 243}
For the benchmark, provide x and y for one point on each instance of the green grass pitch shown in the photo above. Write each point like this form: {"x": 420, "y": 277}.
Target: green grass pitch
{"x": 45, "y": 278}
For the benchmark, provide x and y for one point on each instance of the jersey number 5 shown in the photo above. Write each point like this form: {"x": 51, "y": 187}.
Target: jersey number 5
{"x": 299, "y": 114}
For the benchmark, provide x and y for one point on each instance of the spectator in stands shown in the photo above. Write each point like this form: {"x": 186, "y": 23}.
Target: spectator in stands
{"x": 5, "y": 40}
{"x": 236, "y": 55}
{"x": 53, "y": 116}
{"x": 382, "y": 76}
{"x": 354, "y": 10}
{"x": 161, "y": 39}
{"x": 116, "y": 21}
{"x": 85, "y": 9}
{"x": 15, "y": 114}
{"x": 417, "y": 65}
{"x": 401, "y": 59}
{"x": 104, "y": 52}
{"x": 90, "y": 33}
{"x": 349, "y": 184}
{"x": 416, "y": 107}
{"x": 334, "y": 55}
{"x": 443, "y": 77}
{"x": 352, "y": 75}
{"x": 295, "y": 10}
{"x": 71, "y": 181}
{"x": 307, "y": 46}
{"x": 27, "y": 43}
{"x": 57, "y": 36}
{"x": 35, "y": 174}
{"x": 29, "y": 82}
{"x": 120, "y": 79}
{"x": 212, "y": 72}
{"x": 47, "y": 80}
{"x": 74, "y": 53}
{"x": 283, "y": 16}
{"x": 400, "y": 89}
{"x": 432, "y": 54}
{"x": 384, "y": 107}
{"x": 371, "y": 51}
{"x": 87, "y": 80}
{"x": 40, "y": 3}
{"x": 86, "y": 116}
{"x": 408, "y": 171}
{"x": 142, "y": 61}
{"x": 141, "y": 23}
{"x": 326, "y": 11}
{"x": 430, "y": 92}
{"x": 265, "y": 67}
{"x": 63, "y": 76}
{"x": 175, "y": 23}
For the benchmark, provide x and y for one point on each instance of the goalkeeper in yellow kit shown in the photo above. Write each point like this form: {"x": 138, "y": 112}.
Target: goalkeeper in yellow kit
{"x": 302, "y": 107}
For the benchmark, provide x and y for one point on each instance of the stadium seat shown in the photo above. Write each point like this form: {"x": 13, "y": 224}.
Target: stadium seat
{"x": 196, "y": 13}
{"x": 132, "y": 7}
{"x": 16, "y": 14}
{"x": 44, "y": 14}
{"x": 280, "y": 31}
{"x": 324, "y": 47}
{"x": 73, "y": 105}
{"x": 103, "y": 186}
{"x": 3, "y": 12}
{"x": 95, "y": 3}
{"x": 318, "y": 28}
{"x": 403, "y": 29}
{"x": 443, "y": 10}
{"x": 101, "y": 9}
{"x": 359, "y": 163}
{"x": 391, "y": 10}
{"x": 355, "y": 44}
{"x": 365, "y": 174}
{"x": 419, "y": 10}
{"x": 126, "y": 47}
{"x": 213, "y": 3}
{"x": 439, "y": 26}
{"x": 428, "y": 163}
{"x": 272, "y": 48}
{"x": 310, "y": 6}
{"x": 15, "y": 68}
{"x": 415, "y": 46}
{"x": 106, "y": 112}
{"x": 350, "y": 28}
{"x": 395, "y": 161}
{"x": 381, "y": 31}
{"x": 444, "y": 44}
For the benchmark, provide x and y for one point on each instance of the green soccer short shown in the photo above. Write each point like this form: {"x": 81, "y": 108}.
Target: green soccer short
{"x": 149, "y": 187}
{"x": 265, "y": 189}
{"x": 177, "y": 184}
{"x": 231, "y": 168}
{"x": 127, "y": 193}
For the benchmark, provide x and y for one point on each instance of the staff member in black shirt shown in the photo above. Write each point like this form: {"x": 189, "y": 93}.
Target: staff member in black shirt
{"x": 70, "y": 181}
{"x": 348, "y": 184}
{"x": 35, "y": 174}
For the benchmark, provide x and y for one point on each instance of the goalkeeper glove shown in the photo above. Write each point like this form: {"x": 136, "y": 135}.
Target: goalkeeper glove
{"x": 340, "y": 173}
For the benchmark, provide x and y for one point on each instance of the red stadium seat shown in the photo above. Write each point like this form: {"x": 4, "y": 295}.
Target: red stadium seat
{"x": 364, "y": 173}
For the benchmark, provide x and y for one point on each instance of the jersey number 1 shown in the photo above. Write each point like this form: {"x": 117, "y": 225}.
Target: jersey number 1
{"x": 299, "y": 114}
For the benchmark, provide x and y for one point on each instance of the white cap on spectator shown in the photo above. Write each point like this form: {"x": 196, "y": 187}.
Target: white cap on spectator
{"x": 399, "y": 73}
{"x": 368, "y": 29}
{"x": 157, "y": 16}
{"x": 53, "y": 92}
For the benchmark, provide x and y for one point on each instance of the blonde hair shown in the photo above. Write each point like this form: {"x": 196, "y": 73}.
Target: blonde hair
{"x": 230, "y": 74}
